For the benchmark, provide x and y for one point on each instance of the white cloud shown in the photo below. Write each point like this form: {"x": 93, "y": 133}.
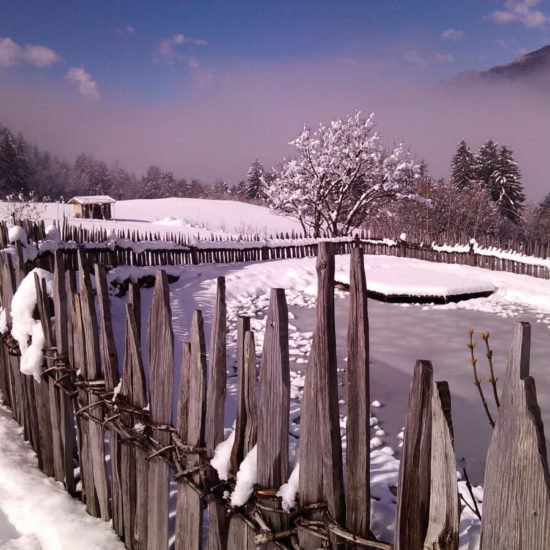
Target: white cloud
{"x": 452, "y": 34}
{"x": 39, "y": 56}
{"x": 9, "y": 52}
{"x": 12, "y": 54}
{"x": 168, "y": 48}
{"x": 520, "y": 11}
{"x": 445, "y": 57}
{"x": 87, "y": 87}
{"x": 128, "y": 29}
{"x": 414, "y": 58}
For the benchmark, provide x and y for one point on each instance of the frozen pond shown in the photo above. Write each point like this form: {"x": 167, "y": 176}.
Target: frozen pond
{"x": 400, "y": 334}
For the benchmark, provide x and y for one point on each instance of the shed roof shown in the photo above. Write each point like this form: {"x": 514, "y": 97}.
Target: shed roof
{"x": 92, "y": 199}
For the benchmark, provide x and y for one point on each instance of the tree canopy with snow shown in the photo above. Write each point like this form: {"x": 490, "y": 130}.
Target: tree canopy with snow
{"x": 495, "y": 169}
{"x": 252, "y": 187}
{"x": 507, "y": 187}
{"x": 342, "y": 172}
{"x": 463, "y": 166}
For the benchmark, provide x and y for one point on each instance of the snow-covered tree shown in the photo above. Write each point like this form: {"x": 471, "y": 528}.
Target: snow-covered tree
{"x": 341, "y": 173}
{"x": 507, "y": 188}
{"x": 253, "y": 183}
{"x": 487, "y": 162}
{"x": 463, "y": 166}
{"x": 154, "y": 183}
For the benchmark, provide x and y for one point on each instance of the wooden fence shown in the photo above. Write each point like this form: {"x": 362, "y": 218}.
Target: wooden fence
{"x": 88, "y": 390}
{"x": 132, "y": 251}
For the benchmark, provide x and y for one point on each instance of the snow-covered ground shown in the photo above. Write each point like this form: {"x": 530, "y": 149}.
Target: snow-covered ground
{"x": 24, "y": 523}
{"x": 35, "y": 511}
{"x": 193, "y": 217}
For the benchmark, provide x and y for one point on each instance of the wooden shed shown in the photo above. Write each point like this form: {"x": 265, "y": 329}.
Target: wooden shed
{"x": 97, "y": 207}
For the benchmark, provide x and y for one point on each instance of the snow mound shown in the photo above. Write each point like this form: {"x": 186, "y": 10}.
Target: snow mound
{"x": 17, "y": 233}
{"x": 289, "y": 490}
{"x": 52, "y": 233}
{"x": 221, "y": 461}
{"x": 24, "y": 327}
{"x": 170, "y": 220}
{"x": 246, "y": 478}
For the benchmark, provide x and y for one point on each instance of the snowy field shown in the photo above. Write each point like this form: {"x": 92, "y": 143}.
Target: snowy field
{"x": 193, "y": 217}
{"x": 436, "y": 332}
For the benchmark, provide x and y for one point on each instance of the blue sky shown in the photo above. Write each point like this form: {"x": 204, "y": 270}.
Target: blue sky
{"x": 153, "y": 51}
{"x": 204, "y": 87}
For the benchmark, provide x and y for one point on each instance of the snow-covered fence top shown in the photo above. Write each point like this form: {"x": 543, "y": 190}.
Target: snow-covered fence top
{"x": 60, "y": 369}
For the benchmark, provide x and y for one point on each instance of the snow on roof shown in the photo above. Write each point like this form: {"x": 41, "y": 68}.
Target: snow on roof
{"x": 92, "y": 199}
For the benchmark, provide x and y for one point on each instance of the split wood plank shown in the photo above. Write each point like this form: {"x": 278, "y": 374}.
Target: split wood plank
{"x": 61, "y": 404}
{"x": 237, "y": 451}
{"x": 42, "y": 393}
{"x": 358, "y": 424}
{"x": 516, "y": 499}
{"x": 161, "y": 376}
{"x": 310, "y": 486}
{"x": 89, "y": 493}
{"x": 274, "y": 405}
{"x": 109, "y": 363}
{"x": 249, "y": 362}
{"x": 413, "y": 491}
{"x": 189, "y": 503}
{"x": 215, "y": 403}
{"x": 133, "y": 459}
{"x": 217, "y": 372}
{"x": 327, "y": 386}
{"x": 444, "y": 514}
{"x": 92, "y": 373}
{"x": 241, "y": 535}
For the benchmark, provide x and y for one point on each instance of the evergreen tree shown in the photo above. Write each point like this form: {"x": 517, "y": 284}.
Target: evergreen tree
{"x": 487, "y": 163}
{"x": 463, "y": 166}
{"x": 545, "y": 205}
{"x": 506, "y": 183}
{"x": 157, "y": 184}
{"x": 253, "y": 183}
{"x": 14, "y": 167}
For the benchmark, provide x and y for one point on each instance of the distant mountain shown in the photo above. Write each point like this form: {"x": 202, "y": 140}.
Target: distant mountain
{"x": 531, "y": 66}
{"x": 531, "y": 70}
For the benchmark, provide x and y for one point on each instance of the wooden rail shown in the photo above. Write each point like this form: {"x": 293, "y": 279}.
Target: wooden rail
{"x": 79, "y": 386}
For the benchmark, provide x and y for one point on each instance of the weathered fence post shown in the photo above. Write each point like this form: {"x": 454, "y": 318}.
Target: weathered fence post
{"x": 238, "y": 451}
{"x": 327, "y": 387}
{"x": 274, "y": 408}
{"x": 358, "y": 424}
{"x": 189, "y": 505}
{"x": 94, "y": 411}
{"x": 215, "y": 403}
{"x": 444, "y": 514}
{"x": 241, "y": 535}
{"x": 109, "y": 361}
{"x": 249, "y": 360}
{"x": 42, "y": 390}
{"x": 61, "y": 404}
{"x": 516, "y": 500}
{"x": 319, "y": 410}
{"x": 133, "y": 459}
{"x": 413, "y": 492}
{"x": 161, "y": 376}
